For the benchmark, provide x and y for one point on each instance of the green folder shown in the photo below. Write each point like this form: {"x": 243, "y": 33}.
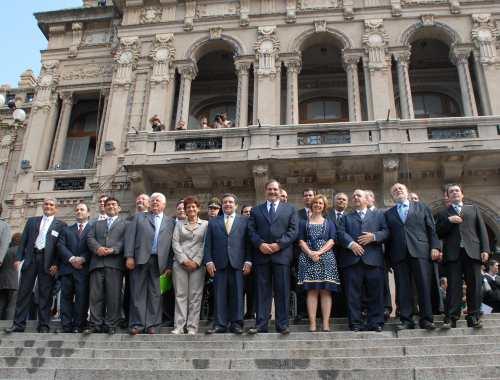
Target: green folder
{"x": 165, "y": 283}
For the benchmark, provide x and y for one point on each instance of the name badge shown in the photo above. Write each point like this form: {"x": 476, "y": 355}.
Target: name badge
{"x": 54, "y": 233}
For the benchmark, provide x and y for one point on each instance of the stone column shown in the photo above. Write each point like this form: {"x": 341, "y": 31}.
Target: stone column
{"x": 379, "y": 90}
{"x": 162, "y": 80}
{"x": 188, "y": 73}
{"x": 242, "y": 68}
{"x": 267, "y": 71}
{"x": 405, "y": 97}
{"x": 484, "y": 36}
{"x": 261, "y": 175}
{"x": 460, "y": 57}
{"x": 354, "y": 99}
{"x": 62, "y": 130}
{"x": 293, "y": 67}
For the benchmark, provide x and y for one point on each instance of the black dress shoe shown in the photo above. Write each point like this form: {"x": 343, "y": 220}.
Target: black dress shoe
{"x": 377, "y": 329}
{"x": 216, "y": 330}
{"x": 135, "y": 330}
{"x": 405, "y": 326}
{"x": 427, "y": 325}
{"x": 449, "y": 323}
{"x": 91, "y": 330}
{"x": 76, "y": 330}
{"x": 356, "y": 328}
{"x": 474, "y": 323}
{"x": 43, "y": 330}
{"x": 285, "y": 331}
{"x": 236, "y": 329}
{"x": 111, "y": 330}
{"x": 152, "y": 330}
{"x": 13, "y": 328}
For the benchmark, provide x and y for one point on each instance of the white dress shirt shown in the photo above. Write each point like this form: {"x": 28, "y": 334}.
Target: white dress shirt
{"x": 42, "y": 232}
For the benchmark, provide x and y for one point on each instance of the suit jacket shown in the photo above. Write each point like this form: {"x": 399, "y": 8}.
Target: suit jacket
{"x": 417, "y": 235}
{"x": 99, "y": 236}
{"x": 302, "y": 214}
{"x": 70, "y": 244}
{"x": 4, "y": 239}
{"x": 353, "y": 227}
{"x": 227, "y": 250}
{"x": 140, "y": 235}
{"x": 283, "y": 229}
{"x": 471, "y": 232}
{"x": 9, "y": 278}
{"x": 28, "y": 239}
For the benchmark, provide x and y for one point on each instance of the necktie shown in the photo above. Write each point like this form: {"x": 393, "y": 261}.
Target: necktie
{"x": 110, "y": 222}
{"x": 339, "y": 216}
{"x": 229, "y": 223}
{"x": 403, "y": 211}
{"x": 154, "y": 248}
{"x": 40, "y": 243}
{"x": 272, "y": 211}
{"x": 361, "y": 214}
{"x": 458, "y": 209}
{"x": 80, "y": 229}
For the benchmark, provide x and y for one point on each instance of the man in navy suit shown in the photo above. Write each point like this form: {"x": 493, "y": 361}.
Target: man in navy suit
{"x": 411, "y": 245}
{"x": 361, "y": 234}
{"x": 38, "y": 251}
{"x": 227, "y": 259}
{"x": 273, "y": 227}
{"x": 74, "y": 256}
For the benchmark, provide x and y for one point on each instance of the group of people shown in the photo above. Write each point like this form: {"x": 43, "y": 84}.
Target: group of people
{"x": 323, "y": 252}
{"x": 221, "y": 120}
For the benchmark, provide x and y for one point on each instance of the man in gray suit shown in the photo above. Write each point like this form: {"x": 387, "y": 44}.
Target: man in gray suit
{"x": 147, "y": 246}
{"x": 105, "y": 241}
{"x": 8, "y": 274}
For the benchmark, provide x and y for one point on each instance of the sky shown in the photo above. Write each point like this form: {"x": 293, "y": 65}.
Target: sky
{"x": 22, "y": 40}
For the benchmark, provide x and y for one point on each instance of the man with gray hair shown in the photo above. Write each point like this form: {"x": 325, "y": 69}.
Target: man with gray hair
{"x": 147, "y": 246}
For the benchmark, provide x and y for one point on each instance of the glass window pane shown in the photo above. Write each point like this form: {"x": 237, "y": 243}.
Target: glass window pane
{"x": 333, "y": 109}
{"x": 418, "y": 105}
{"x": 314, "y": 110}
{"x": 433, "y": 105}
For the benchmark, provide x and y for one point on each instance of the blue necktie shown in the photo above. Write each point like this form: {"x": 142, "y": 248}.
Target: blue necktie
{"x": 154, "y": 248}
{"x": 272, "y": 211}
{"x": 110, "y": 222}
{"x": 403, "y": 211}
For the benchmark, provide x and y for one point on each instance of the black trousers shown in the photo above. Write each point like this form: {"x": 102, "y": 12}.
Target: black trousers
{"x": 250, "y": 295}
{"x": 145, "y": 300}
{"x": 74, "y": 300}
{"x": 418, "y": 270}
{"x": 469, "y": 270}
{"x": 29, "y": 275}
{"x": 105, "y": 296}
{"x": 7, "y": 303}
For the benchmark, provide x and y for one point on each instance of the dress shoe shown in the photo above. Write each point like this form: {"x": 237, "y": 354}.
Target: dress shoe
{"x": 474, "y": 323}
{"x": 285, "y": 331}
{"x": 405, "y": 326}
{"x": 43, "y": 330}
{"x": 13, "y": 328}
{"x": 427, "y": 325}
{"x": 191, "y": 332}
{"x": 249, "y": 316}
{"x": 92, "y": 330}
{"x": 76, "y": 330}
{"x": 356, "y": 329}
{"x": 152, "y": 330}
{"x": 111, "y": 330}
{"x": 177, "y": 331}
{"x": 252, "y": 331}
{"x": 449, "y": 323}
{"x": 375, "y": 329}
{"x": 216, "y": 330}
{"x": 135, "y": 331}
{"x": 236, "y": 329}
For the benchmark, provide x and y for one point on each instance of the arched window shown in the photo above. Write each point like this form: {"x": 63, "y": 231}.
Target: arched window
{"x": 212, "y": 110}
{"x": 433, "y": 104}
{"x": 323, "y": 110}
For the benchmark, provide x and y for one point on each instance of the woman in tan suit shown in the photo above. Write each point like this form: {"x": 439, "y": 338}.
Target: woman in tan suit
{"x": 188, "y": 274}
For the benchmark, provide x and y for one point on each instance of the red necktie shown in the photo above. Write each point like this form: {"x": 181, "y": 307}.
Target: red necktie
{"x": 80, "y": 229}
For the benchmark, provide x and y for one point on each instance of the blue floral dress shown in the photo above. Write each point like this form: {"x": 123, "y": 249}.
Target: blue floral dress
{"x": 322, "y": 274}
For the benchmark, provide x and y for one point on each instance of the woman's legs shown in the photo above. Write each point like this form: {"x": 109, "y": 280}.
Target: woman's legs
{"x": 312, "y": 307}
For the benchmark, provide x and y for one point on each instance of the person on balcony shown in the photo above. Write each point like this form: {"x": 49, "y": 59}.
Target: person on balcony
{"x": 156, "y": 124}
{"x": 188, "y": 275}
{"x": 181, "y": 125}
{"x": 218, "y": 122}
{"x": 204, "y": 123}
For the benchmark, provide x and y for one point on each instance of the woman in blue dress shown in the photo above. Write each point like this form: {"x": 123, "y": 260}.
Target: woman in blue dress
{"x": 317, "y": 264}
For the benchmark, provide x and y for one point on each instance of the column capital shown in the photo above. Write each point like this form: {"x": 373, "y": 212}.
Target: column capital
{"x": 402, "y": 56}
{"x": 293, "y": 65}
{"x": 242, "y": 65}
{"x": 459, "y": 55}
{"x": 350, "y": 58}
{"x": 66, "y": 96}
{"x": 188, "y": 70}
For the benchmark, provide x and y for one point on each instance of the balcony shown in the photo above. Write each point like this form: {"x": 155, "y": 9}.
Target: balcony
{"x": 315, "y": 141}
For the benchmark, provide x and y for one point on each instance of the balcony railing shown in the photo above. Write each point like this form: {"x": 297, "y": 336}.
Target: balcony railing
{"x": 321, "y": 140}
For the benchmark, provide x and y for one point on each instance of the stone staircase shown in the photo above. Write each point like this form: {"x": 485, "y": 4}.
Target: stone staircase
{"x": 460, "y": 353}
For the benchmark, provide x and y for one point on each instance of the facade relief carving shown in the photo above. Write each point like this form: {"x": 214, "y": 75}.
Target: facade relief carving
{"x": 189, "y": 15}
{"x": 217, "y": 9}
{"x": 150, "y": 15}
{"x": 98, "y": 37}
{"x": 291, "y": 11}
{"x": 125, "y": 60}
{"x": 320, "y": 26}
{"x": 77, "y": 29}
{"x": 375, "y": 40}
{"x": 48, "y": 79}
{"x": 422, "y": 2}
{"x": 162, "y": 55}
{"x": 216, "y": 32}
{"x": 319, "y": 4}
{"x": 427, "y": 20}
{"x": 484, "y": 35}
{"x": 244, "y": 12}
{"x": 267, "y": 51}
{"x": 87, "y": 72}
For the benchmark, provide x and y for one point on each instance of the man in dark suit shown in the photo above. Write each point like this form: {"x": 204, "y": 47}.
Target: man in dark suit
{"x": 38, "y": 250}
{"x": 147, "y": 247}
{"x": 227, "y": 259}
{"x": 341, "y": 200}
{"x": 74, "y": 256}
{"x": 8, "y": 274}
{"x": 273, "y": 228}
{"x": 362, "y": 233}
{"x": 105, "y": 240}
{"x": 411, "y": 245}
{"x": 465, "y": 247}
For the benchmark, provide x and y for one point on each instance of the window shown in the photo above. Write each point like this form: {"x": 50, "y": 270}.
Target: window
{"x": 30, "y": 97}
{"x": 323, "y": 110}
{"x": 429, "y": 105}
{"x": 10, "y": 98}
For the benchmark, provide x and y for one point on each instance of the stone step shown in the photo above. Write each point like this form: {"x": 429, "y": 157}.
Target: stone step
{"x": 275, "y": 353}
{"x": 406, "y": 361}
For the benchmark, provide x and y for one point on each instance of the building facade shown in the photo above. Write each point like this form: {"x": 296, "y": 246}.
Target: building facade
{"x": 329, "y": 94}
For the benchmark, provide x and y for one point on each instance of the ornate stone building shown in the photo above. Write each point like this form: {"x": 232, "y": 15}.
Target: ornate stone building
{"x": 333, "y": 94}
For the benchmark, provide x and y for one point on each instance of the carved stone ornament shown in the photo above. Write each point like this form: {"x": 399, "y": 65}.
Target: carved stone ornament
{"x": 217, "y": 9}
{"x": 189, "y": 15}
{"x": 348, "y": 9}
{"x": 77, "y": 28}
{"x": 267, "y": 50}
{"x": 454, "y": 7}
{"x": 291, "y": 11}
{"x": 126, "y": 58}
{"x": 48, "y": 79}
{"x": 375, "y": 41}
{"x": 396, "y": 8}
{"x": 484, "y": 35}
{"x": 216, "y": 32}
{"x": 427, "y": 20}
{"x": 391, "y": 164}
{"x": 318, "y": 4}
{"x": 244, "y": 12}
{"x": 151, "y": 15}
{"x": 162, "y": 54}
{"x": 319, "y": 26}
{"x": 87, "y": 72}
